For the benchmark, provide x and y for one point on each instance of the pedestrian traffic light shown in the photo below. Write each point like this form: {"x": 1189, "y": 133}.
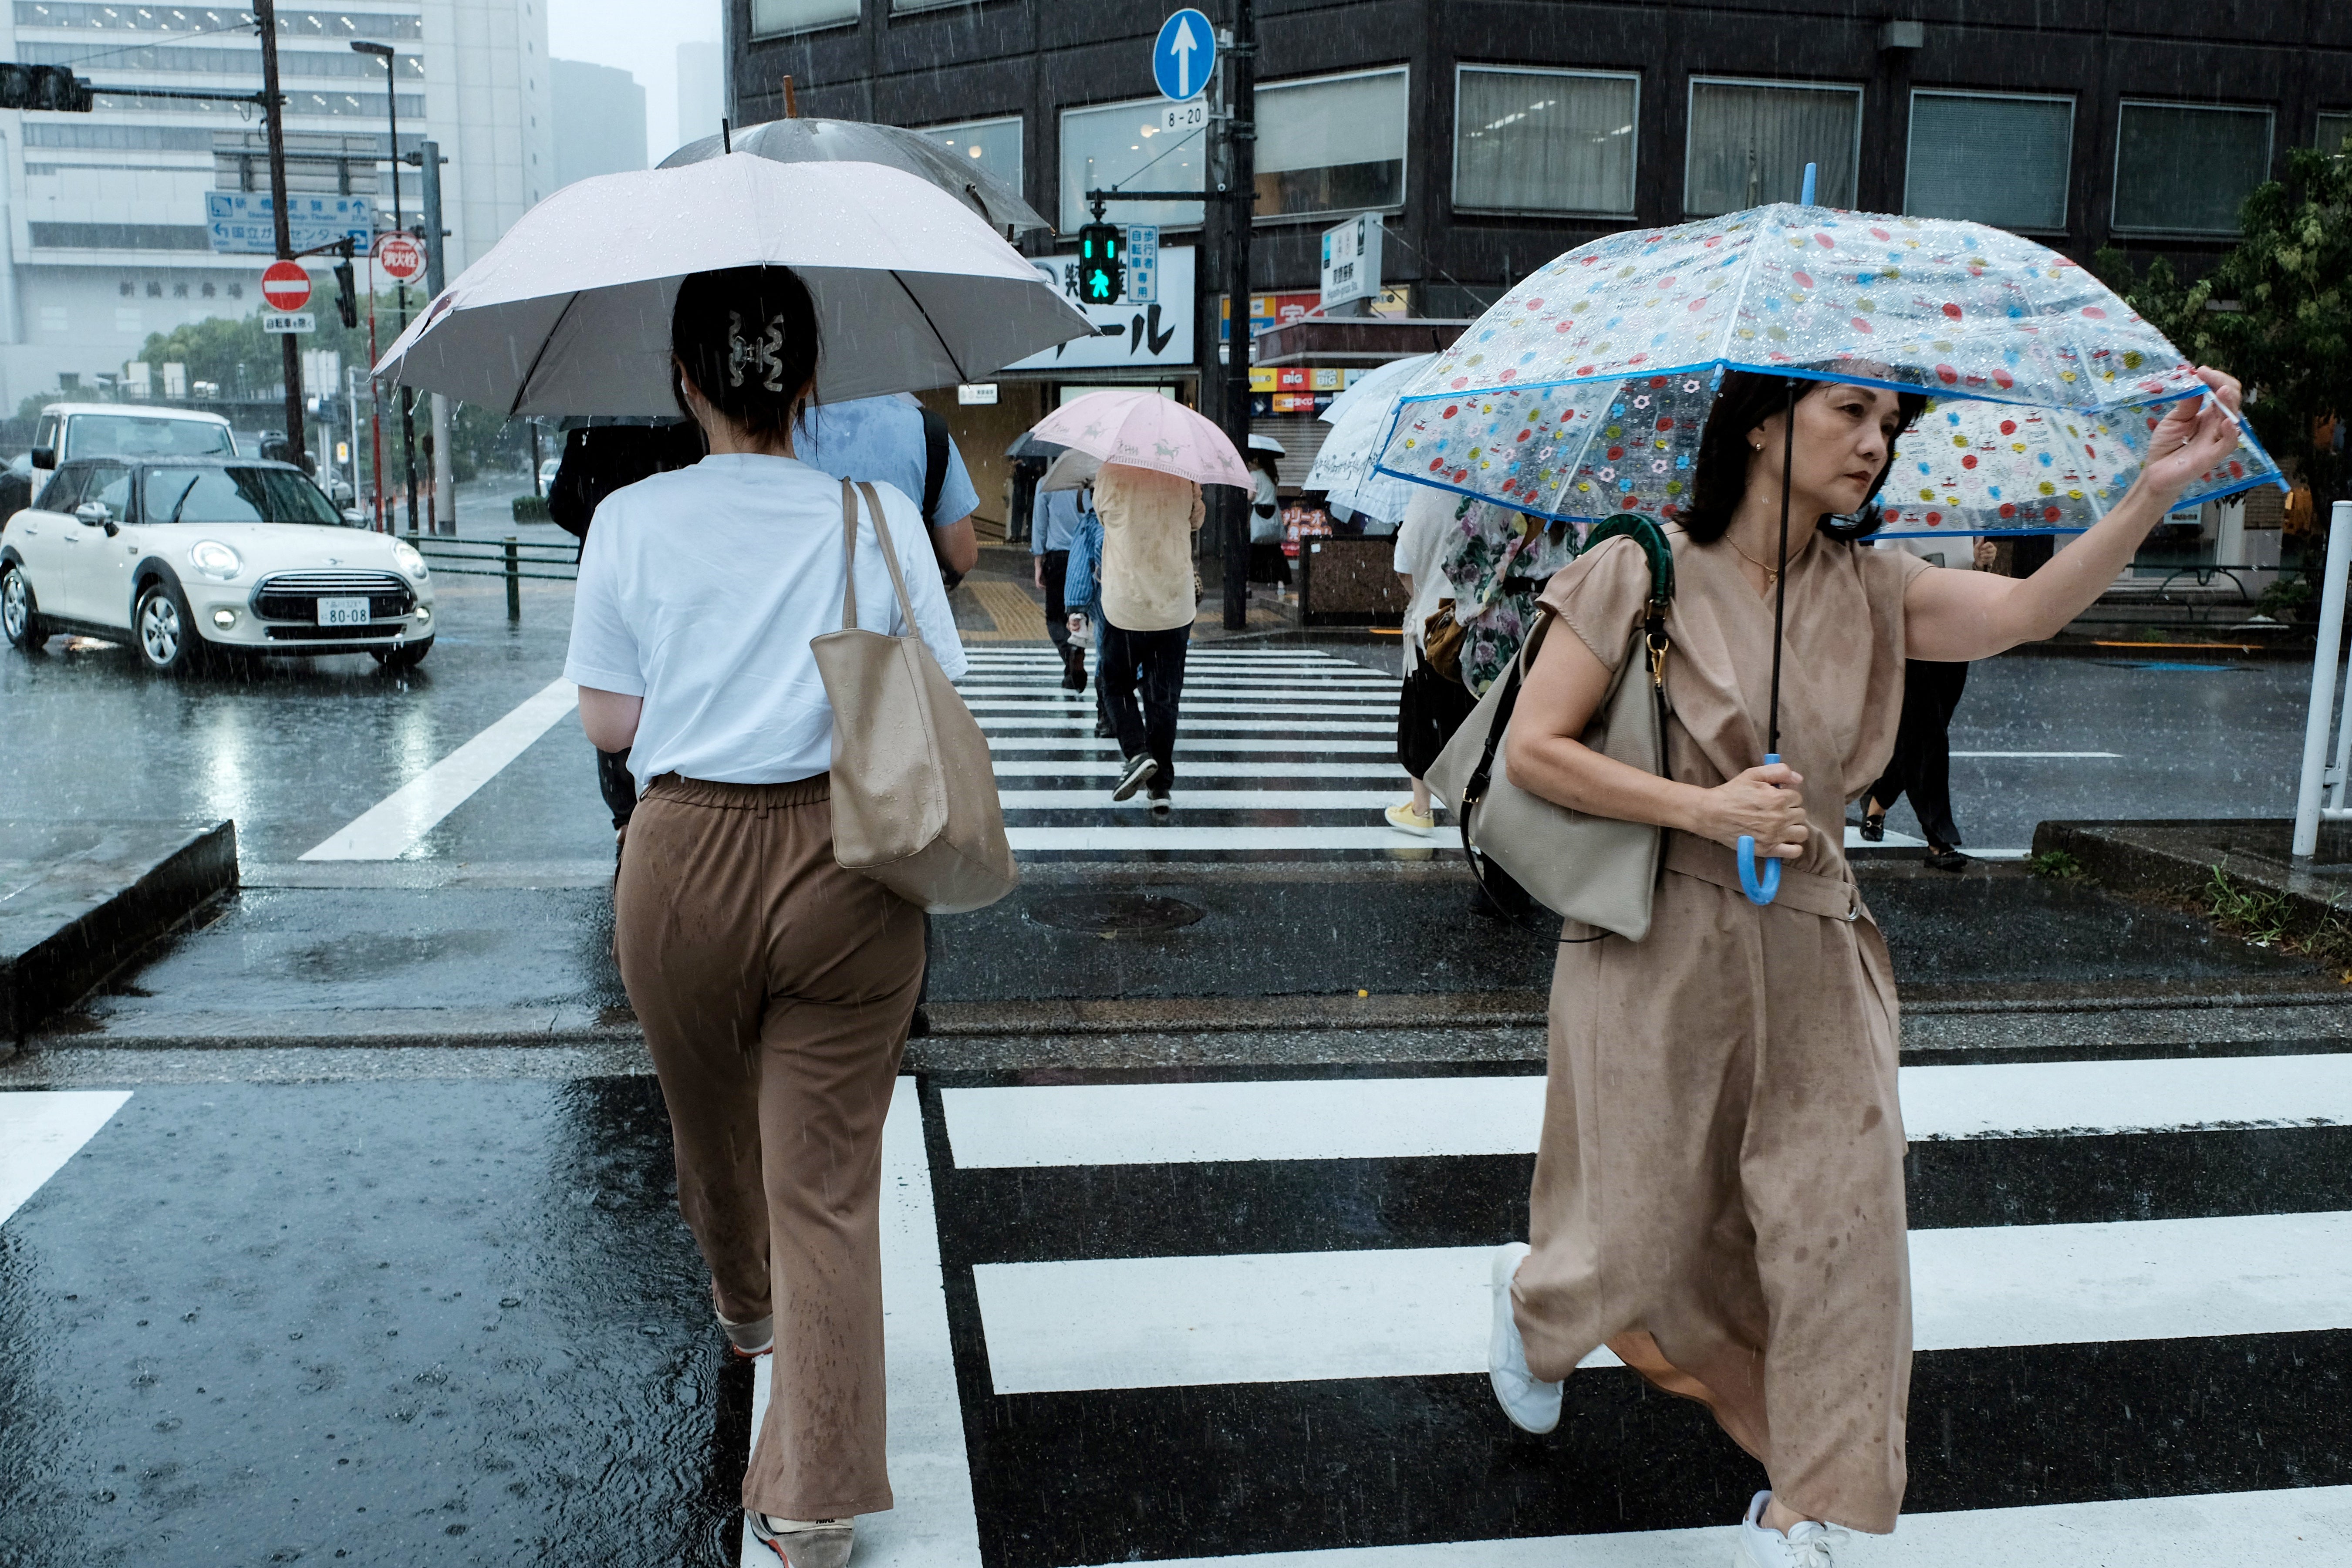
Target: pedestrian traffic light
{"x": 44, "y": 86}
{"x": 1102, "y": 264}
{"x": 347, "y": 294}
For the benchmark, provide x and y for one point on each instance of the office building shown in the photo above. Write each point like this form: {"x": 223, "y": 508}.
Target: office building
{"x": 107, "y": 227}
{"x": 600, "y": 121}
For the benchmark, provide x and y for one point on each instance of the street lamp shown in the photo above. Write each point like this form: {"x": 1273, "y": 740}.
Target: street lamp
{"x": 407, "y": 408}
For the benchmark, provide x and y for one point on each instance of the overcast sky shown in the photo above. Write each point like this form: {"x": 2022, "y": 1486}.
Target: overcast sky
{"x": 640, "y": 36}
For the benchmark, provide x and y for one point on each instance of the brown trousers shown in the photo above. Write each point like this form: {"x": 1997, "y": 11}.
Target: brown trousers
{"x": 775, "y": 990}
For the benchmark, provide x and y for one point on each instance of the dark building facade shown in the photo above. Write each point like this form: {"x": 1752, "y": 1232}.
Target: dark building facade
{"x": 1494, "y": 134}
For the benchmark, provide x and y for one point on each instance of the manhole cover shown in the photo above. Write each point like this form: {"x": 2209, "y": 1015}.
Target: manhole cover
{"x": 1115, "y": 914}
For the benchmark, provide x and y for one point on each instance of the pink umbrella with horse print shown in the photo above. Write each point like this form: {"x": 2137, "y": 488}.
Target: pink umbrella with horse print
{"x": 1144, "y": 430}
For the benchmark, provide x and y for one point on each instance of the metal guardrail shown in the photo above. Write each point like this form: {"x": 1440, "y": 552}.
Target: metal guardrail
{"x": 504, "y": 558}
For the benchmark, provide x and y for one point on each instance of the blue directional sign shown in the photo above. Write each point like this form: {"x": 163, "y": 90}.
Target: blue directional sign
{"x": 1182, "y": 55}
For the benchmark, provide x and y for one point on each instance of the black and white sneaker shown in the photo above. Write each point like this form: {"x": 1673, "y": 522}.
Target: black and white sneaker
{"x": 1161, "y": 805}
{"x": 804, "y": 1542}
{"x": 1138, "y": 769}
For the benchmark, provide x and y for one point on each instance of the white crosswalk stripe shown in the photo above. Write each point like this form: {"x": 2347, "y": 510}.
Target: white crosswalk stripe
{"x": 1328, "y": 719}
{"x": 2073, "y": 1268}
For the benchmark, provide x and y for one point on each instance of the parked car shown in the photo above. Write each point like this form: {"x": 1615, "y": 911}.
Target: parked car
{"x": 71, "y": 430}
{"x": 198, "y": 558}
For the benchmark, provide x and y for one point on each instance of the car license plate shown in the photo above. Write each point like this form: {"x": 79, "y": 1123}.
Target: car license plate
{"x": 344, "y": 612}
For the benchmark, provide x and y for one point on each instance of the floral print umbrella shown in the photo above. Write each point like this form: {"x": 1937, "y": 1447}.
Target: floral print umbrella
{"x": 1583, "y": 390}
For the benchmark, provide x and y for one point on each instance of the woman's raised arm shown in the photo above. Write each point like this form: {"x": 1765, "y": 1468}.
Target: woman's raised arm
{"x": 1954, "y": 616}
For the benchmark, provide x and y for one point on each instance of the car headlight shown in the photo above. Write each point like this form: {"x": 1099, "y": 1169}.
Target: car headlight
{"x": 409, "y": 559}
{"x": 215, "y": 558}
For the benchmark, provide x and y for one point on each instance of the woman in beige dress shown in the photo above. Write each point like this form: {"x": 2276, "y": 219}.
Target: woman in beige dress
{"x": 1718, "y": 1194}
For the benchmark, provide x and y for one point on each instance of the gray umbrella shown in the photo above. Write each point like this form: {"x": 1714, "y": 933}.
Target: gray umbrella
{"x": 919, "y": 153}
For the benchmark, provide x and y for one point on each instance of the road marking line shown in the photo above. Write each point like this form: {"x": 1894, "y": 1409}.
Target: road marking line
{"x": 2308, "y": 1527}
{"x": 395, "y": 825}
{"x": 40, "y": 1131}
{"x": 1189, "y": 1322}
{"x": 1400, "y": 1118}
{"x": 1302, "y": 799}
{"x": 2116, "y": 754}
{"x": 933, "y": 1523}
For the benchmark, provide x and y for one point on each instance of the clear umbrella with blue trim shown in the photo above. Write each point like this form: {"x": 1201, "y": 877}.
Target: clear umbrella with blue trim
{"x": 1584, "y": 392}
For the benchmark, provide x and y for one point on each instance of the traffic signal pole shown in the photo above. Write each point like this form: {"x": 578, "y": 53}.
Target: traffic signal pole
{"x": 1239, "y": 189}
{"x": 266, "y": 13}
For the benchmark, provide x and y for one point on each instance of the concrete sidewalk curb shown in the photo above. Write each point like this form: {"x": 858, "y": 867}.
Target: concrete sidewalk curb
{"x": 2175, "y": 861}
{"x": 2187, "y": 1014}
{"x": 95, "y": 895}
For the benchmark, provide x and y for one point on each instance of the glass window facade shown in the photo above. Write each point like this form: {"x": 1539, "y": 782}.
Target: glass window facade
{"x": 1996, "y": 158}
{"x": 1334, "y": 144}
{"x": 1544, "y": 140}
{"x": 2333, "y": 129}
{"x": 2186, "y": 168}
{"x": 993, "y": 146}
{"x": 771, "y": 17}
{"x": 1112, "y": 145}
{"x": 291, "y": 23}
{"x": 1749, "y": 143}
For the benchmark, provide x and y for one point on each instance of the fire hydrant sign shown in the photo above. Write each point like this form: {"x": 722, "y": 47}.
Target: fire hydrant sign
{"x": 402, "y": 258}
{"x": 286, "y": 285}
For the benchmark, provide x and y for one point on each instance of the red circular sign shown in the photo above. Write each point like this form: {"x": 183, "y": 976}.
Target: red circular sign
{"x": 401, "y": 257}
{"x": 286, "y": 286}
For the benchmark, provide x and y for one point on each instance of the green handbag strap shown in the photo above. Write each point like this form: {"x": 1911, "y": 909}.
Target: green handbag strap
{"x": 1645, "y": 532}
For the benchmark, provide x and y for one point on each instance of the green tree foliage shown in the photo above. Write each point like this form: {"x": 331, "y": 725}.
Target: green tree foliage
{"x": 2277, "y": 311}
{"x": 214, "y": 348}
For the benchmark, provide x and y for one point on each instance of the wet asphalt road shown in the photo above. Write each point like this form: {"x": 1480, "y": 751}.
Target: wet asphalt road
{"x": 307, "y": 746}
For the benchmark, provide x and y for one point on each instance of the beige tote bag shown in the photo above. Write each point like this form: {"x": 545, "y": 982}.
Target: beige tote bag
{"x": 914, "y": 794}
{"x": 1596, "y": 870}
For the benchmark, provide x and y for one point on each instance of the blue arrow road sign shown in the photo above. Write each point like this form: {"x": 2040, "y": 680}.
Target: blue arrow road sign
{"x": 1183, "y": 54}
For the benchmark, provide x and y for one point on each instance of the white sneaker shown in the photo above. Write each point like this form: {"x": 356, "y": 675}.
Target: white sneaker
{"x": 1532, "y": 1404}
{"x": 804, "y": 1542}
{"x": 1807, "y": 1545}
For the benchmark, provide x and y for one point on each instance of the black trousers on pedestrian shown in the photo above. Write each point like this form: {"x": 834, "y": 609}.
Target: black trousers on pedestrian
{"x": 1154, "y": 661}
{"x": 1922, "y": 764}
{"x": 1057, "y": 619}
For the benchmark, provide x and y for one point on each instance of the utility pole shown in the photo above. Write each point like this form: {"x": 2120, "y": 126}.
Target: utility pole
{"x": 427, "y": 159}
{"x": 266, "y": 13}
{"x": 1239, "y": 188}
{"x": 1209, "y": 294}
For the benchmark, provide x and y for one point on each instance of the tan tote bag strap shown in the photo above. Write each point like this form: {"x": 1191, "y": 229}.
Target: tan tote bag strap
{"x": 848, "y": 557}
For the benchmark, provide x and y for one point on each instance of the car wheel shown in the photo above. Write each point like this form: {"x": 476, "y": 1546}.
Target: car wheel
{"x": 20, "y": 613}
{"x": 407, "y": 656}
{"x": 166, "y": 631}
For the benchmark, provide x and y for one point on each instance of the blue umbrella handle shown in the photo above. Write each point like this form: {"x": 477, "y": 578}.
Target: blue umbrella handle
{"x": 1761, "y": 889}
{"x": 1807, "y": 198}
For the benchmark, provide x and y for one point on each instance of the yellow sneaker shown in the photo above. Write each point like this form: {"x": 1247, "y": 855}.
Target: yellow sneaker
{"x": 1404, "y": 819}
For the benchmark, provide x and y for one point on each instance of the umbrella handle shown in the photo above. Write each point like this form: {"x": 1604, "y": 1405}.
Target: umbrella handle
{"x": 1760, "y": 889}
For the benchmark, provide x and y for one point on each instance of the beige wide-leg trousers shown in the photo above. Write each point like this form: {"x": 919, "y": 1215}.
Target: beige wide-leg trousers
{"x": 775, "y": 990}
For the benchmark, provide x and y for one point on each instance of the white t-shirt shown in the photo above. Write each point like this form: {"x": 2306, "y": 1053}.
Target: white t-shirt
{"x": 699, "y": 591}
{"x": 1423, "y": 540}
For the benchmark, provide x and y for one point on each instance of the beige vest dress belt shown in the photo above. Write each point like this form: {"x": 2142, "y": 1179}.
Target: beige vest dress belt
{"x": 1832, "y": 898}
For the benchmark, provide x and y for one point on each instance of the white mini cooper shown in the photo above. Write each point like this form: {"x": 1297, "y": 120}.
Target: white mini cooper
{"x": 197, "y": 558}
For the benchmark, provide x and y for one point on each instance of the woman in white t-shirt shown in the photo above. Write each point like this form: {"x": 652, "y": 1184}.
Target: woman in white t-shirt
{"x": 774, "y": 987}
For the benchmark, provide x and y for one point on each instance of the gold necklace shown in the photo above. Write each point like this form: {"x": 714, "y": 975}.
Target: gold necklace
{"x": 1772, "y": 574}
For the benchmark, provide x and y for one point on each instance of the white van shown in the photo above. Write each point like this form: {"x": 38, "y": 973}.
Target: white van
{"x": 71, "y": 430}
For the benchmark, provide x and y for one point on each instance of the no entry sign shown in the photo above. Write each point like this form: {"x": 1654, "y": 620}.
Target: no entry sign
{"x": 286, "y": 286}
{"x": 402, "y": 258}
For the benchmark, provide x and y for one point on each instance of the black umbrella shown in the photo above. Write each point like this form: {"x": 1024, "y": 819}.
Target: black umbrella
{"x": 919, "y": 152}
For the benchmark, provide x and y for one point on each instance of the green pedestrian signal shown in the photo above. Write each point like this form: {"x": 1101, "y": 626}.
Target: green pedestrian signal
{"x": 1102, "y": 263}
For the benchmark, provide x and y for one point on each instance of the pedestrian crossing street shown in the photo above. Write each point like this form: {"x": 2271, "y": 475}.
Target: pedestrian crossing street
{"x": 1244, "y": 1322}
{"x": 1280, "y": 753}
{"x": 1240, "y": 1320}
